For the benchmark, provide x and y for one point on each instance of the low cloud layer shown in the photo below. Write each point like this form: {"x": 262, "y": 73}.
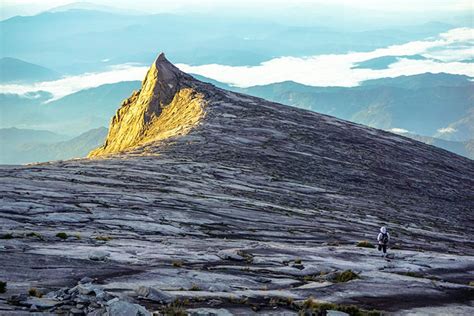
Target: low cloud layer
{"x": 445, "y": 52}
{"x": 398, "y": 130}
{"x": 447, "y": 130}
{"x": 71, "y": 84}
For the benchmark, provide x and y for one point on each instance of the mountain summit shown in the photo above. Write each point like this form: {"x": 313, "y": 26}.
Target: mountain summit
{"x": 168, "y": 104}
{"x": 227, "y": 200}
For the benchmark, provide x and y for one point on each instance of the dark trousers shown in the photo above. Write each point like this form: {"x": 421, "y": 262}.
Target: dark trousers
{"x": 383, "y": 247}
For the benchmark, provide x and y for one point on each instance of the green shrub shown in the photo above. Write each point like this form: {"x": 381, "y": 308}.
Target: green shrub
{"x": 7, "y": 236}
{"x": 194, "y": 287}
{"x": 320, "y": 308}
{"x": 310, "y": 278}
{"x": 298, "y": 261}
{"x": 3, "y": 287}
{"x": 365, "y": 244}
{"x": 177, "y": 263}
{"x": 34, "y": 292}
{"x": 471, "y": 283}
{"x": 103, "y": 238}
{"x": 175, "y": 309}
{"x": 34, "y": 234}
{"x": 62, "y": 235}
{"x": 345, "y": 276}
{"x": 244, "y": 254}
{"x": 413, "y": 274}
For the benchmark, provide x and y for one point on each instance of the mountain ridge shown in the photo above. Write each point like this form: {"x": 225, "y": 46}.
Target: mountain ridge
{"x": 14, "y": 70}
{"x": 257, "y": 202}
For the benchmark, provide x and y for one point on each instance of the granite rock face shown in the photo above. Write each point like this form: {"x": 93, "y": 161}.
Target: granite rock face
{"x": 167, "y": 105}
{"x": 233, "y": 203}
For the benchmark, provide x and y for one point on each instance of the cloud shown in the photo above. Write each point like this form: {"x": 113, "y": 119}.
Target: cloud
{"x": 399, "y": 130}
{"x": 445, "y": 52}
{"x": 447, "y": 130}
{"x": 71, "y": 84}
{"x": 337, "y": 69}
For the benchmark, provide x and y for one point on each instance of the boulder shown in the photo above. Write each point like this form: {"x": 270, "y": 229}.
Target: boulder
{"x": 99, "y": 255}
{"x": 155, "y": 295}
{"x": 335, "y": 313}
{"x": 122, "y": 308}
{"x": 40, "y": 303}
{"x": 85, "y": 280}
{"x": 234, "y": 254}
{"x": 209, "y": 312}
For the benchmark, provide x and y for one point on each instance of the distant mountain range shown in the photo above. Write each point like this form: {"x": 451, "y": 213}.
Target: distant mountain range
{"x": 438, "y": 106}
{"x": 19, "y": 146}
{"x": 465, "y": 148}
{"x": 84, "y": 37}
{"x": 384, "y": 62}
{"x": 71, "y": 115}
{"x": 13, "y": 70}
{"x": 84, "y": 5}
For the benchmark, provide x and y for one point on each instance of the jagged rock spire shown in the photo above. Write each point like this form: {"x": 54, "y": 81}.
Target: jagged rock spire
{"x": 141, "y": 117}
{"x": 159, "y": 86}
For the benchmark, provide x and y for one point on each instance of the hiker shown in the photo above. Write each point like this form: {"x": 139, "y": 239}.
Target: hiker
{"x": 383, "y": 239}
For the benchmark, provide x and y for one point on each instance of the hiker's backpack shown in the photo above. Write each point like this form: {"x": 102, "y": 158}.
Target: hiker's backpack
{"x": 384, "y": 238}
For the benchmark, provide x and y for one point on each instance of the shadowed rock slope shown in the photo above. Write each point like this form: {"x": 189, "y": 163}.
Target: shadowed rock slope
{"x": 238, "y": 203}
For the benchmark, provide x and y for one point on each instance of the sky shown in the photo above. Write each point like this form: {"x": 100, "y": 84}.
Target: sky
{"x": 27, "y": 7}
{"x": 384, "y": 5}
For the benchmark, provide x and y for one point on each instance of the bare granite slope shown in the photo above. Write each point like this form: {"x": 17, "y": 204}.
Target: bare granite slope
{"x": 240, "y": 205}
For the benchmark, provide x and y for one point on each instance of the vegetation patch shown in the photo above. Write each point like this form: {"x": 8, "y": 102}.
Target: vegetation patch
{"x": 365, "y": 244}
{"x": 345, "y": 276}
{"x": 412, "y": 274}
{"x": 194, "y": 287}
{"x": 104, "y": 238}
{"x": 3, "y": 287}
{"x": 35, "y": 292}
{"x": 177, "y": 263}
{"x": 310, "y": 278}
{"x": 247, "y": 256}
{"x": 313, "y": 307}
{"x": 175, "y": 309}
{"x": 35, "y": 235}
{"x": 6, "y": 236}
{"x": 281, "y": 301}
{"x": 62, "y": 235}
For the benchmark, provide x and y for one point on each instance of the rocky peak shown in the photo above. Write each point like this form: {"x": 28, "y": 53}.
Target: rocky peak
{"x": 161, "y": 83}
{"x": 166, "y": 105}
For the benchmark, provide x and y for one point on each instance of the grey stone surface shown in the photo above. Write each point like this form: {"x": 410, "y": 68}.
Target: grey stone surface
{"x": 155, "y": 295}
{"x": 99, "y": 255}
{"x": 335, "y": 313}
{"x": 208, "y": 312}
{"x": 272, "y": 182}
{"x": 122, "y": 308}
